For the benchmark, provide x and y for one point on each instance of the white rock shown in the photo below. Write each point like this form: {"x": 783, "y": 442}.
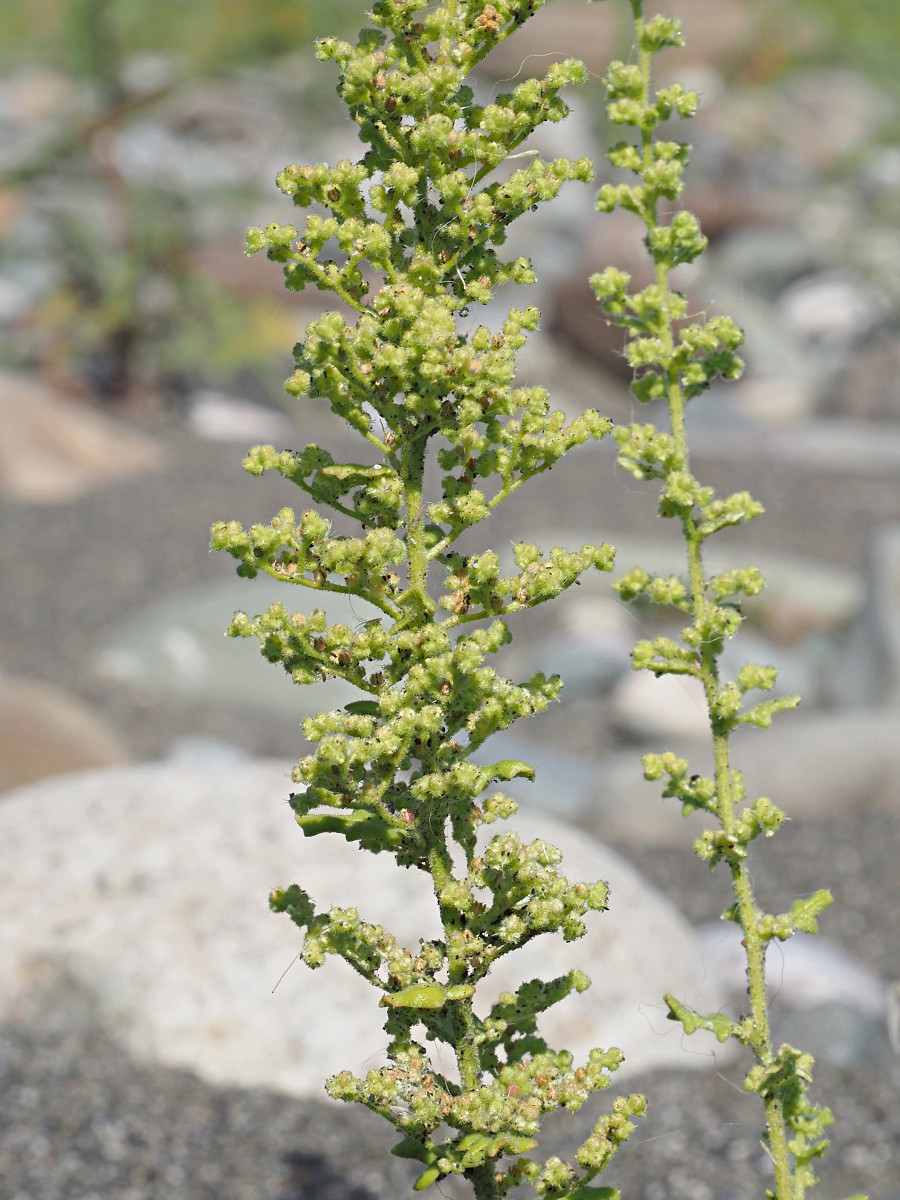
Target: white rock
{"x": 813, "y": 765}
{"x": 149, "y": 885}
{"x": 802, "y": 972}
{"x": 176, "y": 645}
{"x": 829, "y": 308}
{"x": 219, "y": 418}
{"x": 668, "y": 706}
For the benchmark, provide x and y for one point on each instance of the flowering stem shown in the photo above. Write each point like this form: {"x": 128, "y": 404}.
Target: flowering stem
{"x": 411, "y": 240}
{"x": 674, "y": 361}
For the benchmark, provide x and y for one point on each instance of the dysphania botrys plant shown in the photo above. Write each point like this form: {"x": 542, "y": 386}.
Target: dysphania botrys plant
{"x": 675, "y": 357}
{"x": 407, "y": 246}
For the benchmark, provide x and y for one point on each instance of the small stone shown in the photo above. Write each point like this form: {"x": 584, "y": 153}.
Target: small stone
{"x": 648, "y": 708}
{"x": 822, "y": 997}
{"x": 766, "y": 260}
{"x": 813, "y": 765}
{"x": 868, "y": 387}
{"x": 46, "y": 731}
{"x": 867, "y": 668}
{"x": 805, "y": 971}
{"x": 221, "y": 418}
{"x": 830, "y": 309}
{"x": 570, "y": 28}
{"x": 194, "y": 748}
{"x": 52, "y": 451}
{"x": 178, "y": 646}
{"x": 591, "y": 652}
{"x": 834, "y": 1032}
{"x": 824, "y": 116}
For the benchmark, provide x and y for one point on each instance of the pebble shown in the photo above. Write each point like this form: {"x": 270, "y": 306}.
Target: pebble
{"x": 45, "y": 730}
{"x": 591, "y": 651}
{"x": 177, "y": 646}
{"x": 647, "y": 707}
{"x": 222, "y": 418}
{"x": 53, "y": 451}
{"x": 829, "y": 309}
{"x": 804, "y": 972}
{"x": 570, "y": 29}
{"x": 866, "y": 388}
{"x": 824, "y": 116}
{"x": 865, "y": 669}
{"x": 812, "y": 765}
{"x": 765, "y": 259}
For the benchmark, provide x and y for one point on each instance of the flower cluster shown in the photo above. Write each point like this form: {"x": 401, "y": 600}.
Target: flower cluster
{"x": 407, "y": 241}
{"x": 676, "y": 359}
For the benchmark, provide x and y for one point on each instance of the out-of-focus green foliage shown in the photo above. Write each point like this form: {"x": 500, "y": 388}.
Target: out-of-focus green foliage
{"x": 130, "y": 315}
{"x": 213, "y": 34}
{"x": 864, "y": 34}
{"x": 207, "y": 34}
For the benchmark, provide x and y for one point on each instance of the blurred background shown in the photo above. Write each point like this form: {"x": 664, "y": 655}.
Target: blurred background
{"x": 141, "y": 353}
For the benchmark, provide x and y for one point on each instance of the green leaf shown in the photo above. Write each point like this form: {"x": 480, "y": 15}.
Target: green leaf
{"x": 426, "y": 1179}
{"x": 362, "y": 708}
{"x": 358, "y": 826}
{"x": 510, "y": 768}
{"x": 718, "y": 1023}
{"x": 426, "y": 995}
{"x": 804, "y": 912}
{"x": 515, "y": 1143}
{"x": 409, "y": 1147}
{"x": 762, "y": 714}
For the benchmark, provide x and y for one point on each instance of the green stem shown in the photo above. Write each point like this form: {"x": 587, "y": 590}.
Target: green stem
{"x": 754, "y": 944}
{"x": 761, "y": 1037}
{"x": 413, "y": 470}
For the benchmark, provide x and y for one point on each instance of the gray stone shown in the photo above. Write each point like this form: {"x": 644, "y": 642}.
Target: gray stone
{"x": 830, "y": 593}
{"x": 822, "y": 997}
{"x": 564, "y": 783}
{"x": 177, "y": 646}
{"x": 836, "y": 1033}
{"x": 149, "y": 885}
{"x": 591, "y": 651}
{"x": 645, "y": 706}
{"x": 822, "y": 116}
{"x": 221, "y": 418}
{"x": 839, "y": 447}
{"x": 866, "y": 669}
{"x": 765, "y": 260}
{"x": 195, "y": 749}
{"x": 868, "y": 388}
{"x": 810, "y": 764}
{"x": 568, "y": 28}
{"x": 799, "y": 668}
{"x": 805, "y": 971}
{"x": 831, "y": 309}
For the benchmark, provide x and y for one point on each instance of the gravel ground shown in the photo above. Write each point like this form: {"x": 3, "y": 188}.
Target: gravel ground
{"x": 80, "y": 1121}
